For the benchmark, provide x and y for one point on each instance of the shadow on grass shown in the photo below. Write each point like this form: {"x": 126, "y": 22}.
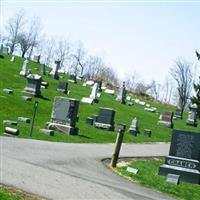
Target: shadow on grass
{"x": 83, "y": 136}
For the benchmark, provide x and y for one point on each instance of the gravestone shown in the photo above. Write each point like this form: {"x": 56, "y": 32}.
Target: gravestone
{"x": 166, "y": 119}
{"x": 184, "y": 157}
{"x": 24, "y": 71}
{"x": 178, "y": 113}
{"x": 147, "y": 132}
{"x": 33, "y": 85}
{"x": 5, "y": 50}
{"x": 1, "y": 51}
{"x": 99, "y": 82}
{"x": 93, "y": 94}
{"x": 54, "y": 72}
{"x": 134, "y": 128}
{"x": 192, "y": 116}
{"x": 72, "y": 78}
{"x": 64, "y": 115}
{"x": 121, "y": 97}
{"x": 36, "y": 58}
{"x": 89, "y": 120}
{"x": 90, "y": 82}
{"x": 62, "y": 87}
{"x": 105, "y": 119}
{"x": 109, "y": 91}
{"x": 43, "y": 69}
{"x": 12, "y": 59}
{"x": 44, "y": 84}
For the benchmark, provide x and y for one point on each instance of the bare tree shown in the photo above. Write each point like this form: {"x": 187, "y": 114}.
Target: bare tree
{"x": 79, "y": 57}
{"x": 154, "y": 89}
{"x": 48, "y": 48}
{"x": 14, "y": 28}
{"x": 62, "y": 51}
{"x": 35, "y": 29}
{"x": 142, "y": 88}
{"x": 182, "y": 74}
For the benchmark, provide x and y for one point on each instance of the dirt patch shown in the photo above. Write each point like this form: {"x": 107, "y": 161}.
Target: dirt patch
{"x": 21, "y": 193}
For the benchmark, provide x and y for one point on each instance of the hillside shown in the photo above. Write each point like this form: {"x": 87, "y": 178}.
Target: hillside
{"x": 12, "y": 106}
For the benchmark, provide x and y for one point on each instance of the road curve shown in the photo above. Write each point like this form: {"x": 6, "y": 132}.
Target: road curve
{"x": 63, "y": 171}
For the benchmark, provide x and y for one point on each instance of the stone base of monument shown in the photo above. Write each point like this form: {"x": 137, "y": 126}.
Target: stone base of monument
{"x": 29, "y": 93}
{"x": 191, "y": 123}
{"x": 62, "y": 128}
{"x": 133, "y": 132}
{"x": 108, "y": 127}
{"x": 187, "y": 175}
{"x": 167, "y": 124}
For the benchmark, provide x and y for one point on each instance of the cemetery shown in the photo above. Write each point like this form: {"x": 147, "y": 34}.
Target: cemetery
{"x": 19, "y": 94}
{"x": 61, "y": 116}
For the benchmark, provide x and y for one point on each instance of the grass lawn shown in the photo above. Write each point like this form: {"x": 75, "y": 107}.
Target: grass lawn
{"x": 12, "y": 106}
{"x": 148, "y": 176}
{"x": 7, "y": 195}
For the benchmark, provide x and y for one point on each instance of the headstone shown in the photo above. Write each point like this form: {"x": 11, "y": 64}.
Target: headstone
{"x": 103, "y": 87}
{"x": 121, "y": 97}
{"x": 105, "y": 119}
{"x": 64, "y": 115}
{"x": 109, "y": 91}
{"x": 27, "y": 98}
{"x": 5, "y": 50}
{"x": 132, "y": 170}
{"x": 130, "y": 103}
{"x": 89, "y": 120}
{"x": 63, "y": 87}
{"x": 44, "y": 84}
{"x": 178, "y": 114}
{"x": 147, "y": 132}
{"x": 184, "y": 157}
{"x": 121, "y": 127}
{"x": 192, "y": 116}
{"x": 54, "y": 72}
{"x": 137, "y": 101}
{"x": 128, "y": 98}
{"x": 150, "y": 109}
{"x": 72, "y": 78}
{"x": 90, "y": 83}
{"x": 43, "y": 69}
{"x": 166, "y": 119}
{"x": 12, "y": 131}
{"x": 8, "y": 90}
{"x": 36, "y": 58}
{"x": 47, "y": 131}
{"x": 173, "y": 178}
{"x": 142, "y": 103}
{"x": 99, "y": 82}
{"x": 147, "y": 105}
{"x": 9, "y": 122}
{"x": 33, "y": 85}
{"x": 12, "y": 59}
{"x": 93, "y": 94}
{"x": 134, "y": 128}
{"x": 87, "y": 100}
{"x": 24, "y": 71}
{"x": 24, "y": 120}
{"x": 1, "y": 51}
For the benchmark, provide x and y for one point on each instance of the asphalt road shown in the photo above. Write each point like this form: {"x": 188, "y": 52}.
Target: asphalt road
{"x": 63, "y": 171}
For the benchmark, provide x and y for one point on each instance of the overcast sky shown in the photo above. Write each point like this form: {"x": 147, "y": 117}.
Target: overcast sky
{"x": 144, "y": 37}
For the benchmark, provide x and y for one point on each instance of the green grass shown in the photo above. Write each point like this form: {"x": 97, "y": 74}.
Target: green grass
{"x": 148, "y": 176}
{"x": 12, "y": 106}
{"x": 7, "y": 195}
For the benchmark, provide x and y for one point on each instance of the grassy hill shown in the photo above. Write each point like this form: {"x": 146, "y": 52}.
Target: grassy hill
{"x": 12, "y": 106}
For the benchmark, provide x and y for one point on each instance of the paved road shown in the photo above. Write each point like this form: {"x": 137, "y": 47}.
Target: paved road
{"x": 63, "y": 171}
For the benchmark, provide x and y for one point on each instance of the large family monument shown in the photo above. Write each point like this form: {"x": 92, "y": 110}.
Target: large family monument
{"x": 184, "y": 157}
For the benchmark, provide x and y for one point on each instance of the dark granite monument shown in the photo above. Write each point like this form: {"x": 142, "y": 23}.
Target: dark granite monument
{"x": 178, "y": 114}
{"x": 63, "y": 87}
{"x": 72, "y": 78}
{"x": 166, "y": 119}
{"x": 184, "y": 157}
{"x": 64, "y": 115}
{"x": 33, "y": 85}
{"x": 105, "y": 119}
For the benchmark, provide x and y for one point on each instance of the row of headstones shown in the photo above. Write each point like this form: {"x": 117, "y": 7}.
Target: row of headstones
{"x": 14, "y": 131}
{"x": 167, "y": 117}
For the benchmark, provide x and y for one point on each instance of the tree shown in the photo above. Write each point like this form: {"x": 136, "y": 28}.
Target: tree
{"x": 182, "y": 75}
{"x": 79, "y": 57}
{"x": 196, "y": 99}
{"x": 154, "y": 89}
{"x": 62, "y": 51}
{"x": 14, "y": 28}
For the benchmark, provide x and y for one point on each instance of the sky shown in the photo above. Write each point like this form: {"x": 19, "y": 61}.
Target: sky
{"x": 144, "y": 37}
